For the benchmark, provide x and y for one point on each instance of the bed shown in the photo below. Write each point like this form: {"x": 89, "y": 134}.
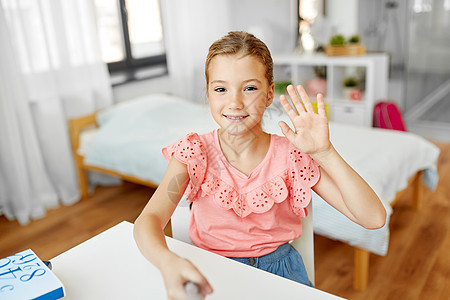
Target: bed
{"x": 125, "y": 140}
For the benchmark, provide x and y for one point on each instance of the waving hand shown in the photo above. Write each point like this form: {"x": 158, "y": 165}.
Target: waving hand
{"x": 310, "y": 134}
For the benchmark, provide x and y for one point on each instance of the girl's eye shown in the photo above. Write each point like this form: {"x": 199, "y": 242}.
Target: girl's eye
{"x": 219, "y": 90}
{"x": 251, "y": 88}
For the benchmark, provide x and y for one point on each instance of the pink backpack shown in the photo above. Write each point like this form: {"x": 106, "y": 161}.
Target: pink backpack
{"x": 387, "y": 115}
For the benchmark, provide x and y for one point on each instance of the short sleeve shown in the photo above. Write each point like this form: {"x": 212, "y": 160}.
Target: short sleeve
{"x": 304, "y": 173}
{"x": 190, "y": 151}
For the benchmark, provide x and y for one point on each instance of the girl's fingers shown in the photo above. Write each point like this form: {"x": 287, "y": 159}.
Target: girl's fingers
{"x": 286, "y": 130}
{"x": 321, "y": 105}
{"x": 305, "y": 98}
{"x": 205, "y": 286}
{"x": 303, "y": 105}
{"x": 195, "y": 276}
{"x": 288, "y": 108}
{"x": 295, "y": 99}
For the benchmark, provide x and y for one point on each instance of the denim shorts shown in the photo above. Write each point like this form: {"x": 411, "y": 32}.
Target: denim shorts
{"x": 285, "y": 262}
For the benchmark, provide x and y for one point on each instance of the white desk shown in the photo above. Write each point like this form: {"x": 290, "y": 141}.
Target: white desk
{"x": 110, "y": 266}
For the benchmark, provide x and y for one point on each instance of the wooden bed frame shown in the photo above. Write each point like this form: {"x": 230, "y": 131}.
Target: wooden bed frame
{"x": 361, "y": 256}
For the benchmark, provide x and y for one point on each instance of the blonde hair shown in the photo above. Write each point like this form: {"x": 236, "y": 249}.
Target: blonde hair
{"x": 241, "y": 43}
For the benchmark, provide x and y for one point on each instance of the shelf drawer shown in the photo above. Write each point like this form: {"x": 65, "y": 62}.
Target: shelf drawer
{"x": 348, "y": 114}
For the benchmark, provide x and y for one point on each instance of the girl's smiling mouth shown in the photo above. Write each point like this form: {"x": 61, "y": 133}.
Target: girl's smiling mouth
{"x": 232, "y": 118}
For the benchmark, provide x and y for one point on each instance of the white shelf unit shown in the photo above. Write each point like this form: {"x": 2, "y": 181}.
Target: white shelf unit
{"x": 372, "y": 69}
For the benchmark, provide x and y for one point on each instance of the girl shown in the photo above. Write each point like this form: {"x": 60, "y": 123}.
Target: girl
{"x": 249, "y": 188}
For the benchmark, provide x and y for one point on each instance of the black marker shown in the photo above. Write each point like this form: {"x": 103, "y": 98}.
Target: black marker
{"x": 192, "y": 291}
{"x": 48, "y": 264}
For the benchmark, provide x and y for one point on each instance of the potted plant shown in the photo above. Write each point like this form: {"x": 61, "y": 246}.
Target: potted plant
{"x": 350, "y": 82}
{"x": 337, "y": 39}
{"x": 350, "y": 88}
{"x": 354, "y": 39}
{"x": 340, "y": 46}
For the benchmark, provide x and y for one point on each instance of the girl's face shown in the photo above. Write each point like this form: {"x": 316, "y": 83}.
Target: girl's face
{"x": 238, "y": 93}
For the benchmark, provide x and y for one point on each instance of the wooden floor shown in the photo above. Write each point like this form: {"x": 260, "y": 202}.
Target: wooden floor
{"x": 417, "y": 265}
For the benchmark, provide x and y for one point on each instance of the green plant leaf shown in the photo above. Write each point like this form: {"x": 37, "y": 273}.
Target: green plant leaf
{"x": 337, "y": 39}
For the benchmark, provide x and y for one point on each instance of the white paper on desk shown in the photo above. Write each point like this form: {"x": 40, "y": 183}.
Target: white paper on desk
{"x": 24, "y": 276}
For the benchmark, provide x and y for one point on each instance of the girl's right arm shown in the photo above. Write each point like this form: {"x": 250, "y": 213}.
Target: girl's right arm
{"x": 149, "y": 235}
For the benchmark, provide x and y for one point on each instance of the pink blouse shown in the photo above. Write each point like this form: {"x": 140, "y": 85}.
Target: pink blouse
{"x": 236, "y": 215}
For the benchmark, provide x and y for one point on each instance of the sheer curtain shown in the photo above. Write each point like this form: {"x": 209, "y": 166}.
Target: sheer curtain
{"x": 51, "y": 71}
{"x": 189, "y": 29}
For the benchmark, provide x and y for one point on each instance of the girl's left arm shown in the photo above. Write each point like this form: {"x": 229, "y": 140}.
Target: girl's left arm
{"x": 339, "y": 184}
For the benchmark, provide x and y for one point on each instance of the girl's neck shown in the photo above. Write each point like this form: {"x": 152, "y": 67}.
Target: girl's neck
{"x": 251, "y": 143}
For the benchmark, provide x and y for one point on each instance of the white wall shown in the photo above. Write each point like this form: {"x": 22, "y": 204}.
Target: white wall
{"x": 343, "y": 16}
{"x": 273, "y": 21}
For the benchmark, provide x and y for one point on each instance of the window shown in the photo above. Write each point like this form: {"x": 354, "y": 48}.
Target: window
{"x": 131, "y": 38}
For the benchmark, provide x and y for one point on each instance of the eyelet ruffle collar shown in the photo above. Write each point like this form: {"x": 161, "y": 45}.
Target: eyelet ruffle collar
{"x": 259, "y": 200}
{"x": 294, "y": 182}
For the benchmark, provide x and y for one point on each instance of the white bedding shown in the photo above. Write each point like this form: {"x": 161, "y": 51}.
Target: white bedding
{"x": 131, "y": 136}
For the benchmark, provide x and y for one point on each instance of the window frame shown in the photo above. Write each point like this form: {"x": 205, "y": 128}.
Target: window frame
{"x": 130, "y": 65}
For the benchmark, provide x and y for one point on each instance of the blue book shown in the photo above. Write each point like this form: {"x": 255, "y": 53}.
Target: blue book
{"x": 25, "y": 276}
